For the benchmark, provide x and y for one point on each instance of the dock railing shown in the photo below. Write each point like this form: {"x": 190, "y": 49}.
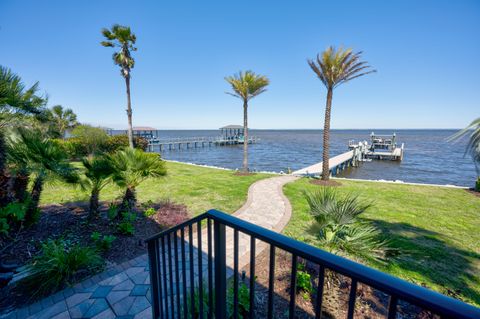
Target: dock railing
{"x": 177, "y": 273}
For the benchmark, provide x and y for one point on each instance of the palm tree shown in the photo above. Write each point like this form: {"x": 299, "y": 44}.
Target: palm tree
{"x": 44, "y": 159}
{"x": 15, "y": 100}
{"x": 473, "y": 145}
{"x": 63, "y": 119}
{"x": 340, "y": 230}
{"x": 123, "y": 38}
{"x": 98, "y": 170}
{"x": 334, "y": 67}
{"x": 245, "y": 86}
{"x": 131, "y": 168}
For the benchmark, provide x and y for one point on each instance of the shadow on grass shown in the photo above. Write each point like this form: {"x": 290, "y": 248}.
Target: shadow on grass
{"x": 428, "y": 254}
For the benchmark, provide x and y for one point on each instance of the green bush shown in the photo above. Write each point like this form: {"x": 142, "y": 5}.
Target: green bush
{"x": 102, "y": 243}
{"x": 117, "y": 142}
{"x": 149, "y": 212}
{"x": 243, "y": 301}
{"x": 59, "y": 264}
{"x": 91, "y": 138}
{"x": 13, "y": 213}
{"x": 126, "y": 228}
{"x": 477, "y": 185}
{"x": 112, "y": 212}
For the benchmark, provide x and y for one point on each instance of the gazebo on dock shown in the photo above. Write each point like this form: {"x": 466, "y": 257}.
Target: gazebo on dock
{"x": 232, "y": 132}
{"x": 145, "y": 132}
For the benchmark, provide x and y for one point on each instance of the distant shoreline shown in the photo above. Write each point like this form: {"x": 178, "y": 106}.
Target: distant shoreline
{"x": 398, "y": 182}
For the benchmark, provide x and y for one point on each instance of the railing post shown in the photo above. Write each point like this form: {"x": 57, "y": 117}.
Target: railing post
{"x": 220, "y": 270}
{"x": 153, "y": 266}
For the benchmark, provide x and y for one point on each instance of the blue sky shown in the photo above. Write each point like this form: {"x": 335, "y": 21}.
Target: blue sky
{"x": 426, "y": 53}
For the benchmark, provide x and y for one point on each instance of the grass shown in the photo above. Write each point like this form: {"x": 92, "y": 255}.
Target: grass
{"x": 436, "y": 229}
{"x": 199, "y": 188}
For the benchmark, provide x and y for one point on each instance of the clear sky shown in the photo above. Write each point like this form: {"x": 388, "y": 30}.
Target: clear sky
{"x": 427, "y": 54}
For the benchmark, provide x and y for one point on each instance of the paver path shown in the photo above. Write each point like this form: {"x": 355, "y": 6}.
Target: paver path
{"x": 124, "y": 290}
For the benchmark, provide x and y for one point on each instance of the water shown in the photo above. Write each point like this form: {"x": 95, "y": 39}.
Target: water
{"x": 429, "y": 158}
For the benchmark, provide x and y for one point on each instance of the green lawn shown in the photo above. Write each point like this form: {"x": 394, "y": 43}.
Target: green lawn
{"x": 437, "y": 230}
{"x": 198, "y": 188}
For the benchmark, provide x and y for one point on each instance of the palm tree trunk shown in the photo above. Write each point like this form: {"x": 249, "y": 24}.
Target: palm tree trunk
{"x": 31, "y": 214}
{"x": 245, "y": 136}
{"x": 93, "y": 209}
{"x": 20, "y": 185}
{"x": 129, "y": 199}
{"x": 3, "y": 174}
{"x": 129, "y": 112}
{"x": 326, "y": 137}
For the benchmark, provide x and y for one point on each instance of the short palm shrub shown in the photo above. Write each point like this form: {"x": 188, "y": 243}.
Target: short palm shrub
{"x": 98, "y": 170}
{"x": 102, "y": 243}
{"x": 126, "y": 226}
{"x": 131, "y": 168}
{"x": 59, "y": 264}
{"x": 340, "y": 229}
{"x": 14, "y": 213}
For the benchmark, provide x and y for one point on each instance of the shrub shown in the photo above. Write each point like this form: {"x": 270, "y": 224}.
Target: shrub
{"x": 13, "y": 213}
{"x": 126, "y": 228}
{"x": 477, "y": 185}
{"x": 112, "y": 212}
{"x": 102, "y": 243}
{"x": 60, "y": 264}
{"x": 304, "y": 281}
{"x": 4, "y": 227}
{"x": 149, "y": 212}
{"x": 243, "y": 301}
{"x": 117, "y": 142}
{"x": 340, "y": 229}
{"x": 91, "y": 139}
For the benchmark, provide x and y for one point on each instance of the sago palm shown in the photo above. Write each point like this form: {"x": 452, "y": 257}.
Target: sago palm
{"x": 15, "y": 99}
{"x": 123, "y": 38}
{"x": 335, "y": 67}
{"x": 246, "y": 86}
{"x": 340, "y": 230}
{"x": 132, "y": 167}
{"x": 63, "y": 119}
{"x": 44, "y": 159}
{"x": 472, "y": 131}
{"x": 98, "y": 171}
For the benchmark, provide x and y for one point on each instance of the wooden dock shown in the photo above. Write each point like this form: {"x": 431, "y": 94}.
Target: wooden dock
{"x": 357, "y": 152}
{"x": 158, "y": 145}
{"x": 336, "y": 163}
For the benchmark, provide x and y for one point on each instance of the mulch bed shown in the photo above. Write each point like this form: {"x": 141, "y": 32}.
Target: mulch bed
{"x": 473, "y": 191}
{"x": 70, "y": 222}
{"x": 370, "y": 303}
{"x": 241, "y": 173}
{"x": 321, "y": 182}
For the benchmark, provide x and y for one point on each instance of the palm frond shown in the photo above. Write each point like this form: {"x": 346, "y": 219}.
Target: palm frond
{"x": 337, "y": 66}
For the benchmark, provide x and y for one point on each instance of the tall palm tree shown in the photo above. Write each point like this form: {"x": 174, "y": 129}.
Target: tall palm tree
{"x": 245, "y": 86}
{"x": 131, "y": 167}
{"x": 98, "y": 170}
{"x": 15, "y": 99}
{"x": 335, "y": 67}
{"x": 63, "y": 119}
{"x": 123, "y": 38}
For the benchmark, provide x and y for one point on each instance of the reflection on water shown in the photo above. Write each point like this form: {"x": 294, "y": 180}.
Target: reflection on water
{"x": 428, "y": 157}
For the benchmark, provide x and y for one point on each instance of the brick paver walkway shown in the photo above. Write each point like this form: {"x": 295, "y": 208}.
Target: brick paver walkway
{"x": 124, "y": 290}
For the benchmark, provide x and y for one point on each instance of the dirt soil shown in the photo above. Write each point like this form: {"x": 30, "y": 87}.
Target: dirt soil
{"x": 370, "y": 303}
{"x": 71, "y": 223}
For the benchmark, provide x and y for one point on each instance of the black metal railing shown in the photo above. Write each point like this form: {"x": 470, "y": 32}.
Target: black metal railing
{"x": 177, "y": 278}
